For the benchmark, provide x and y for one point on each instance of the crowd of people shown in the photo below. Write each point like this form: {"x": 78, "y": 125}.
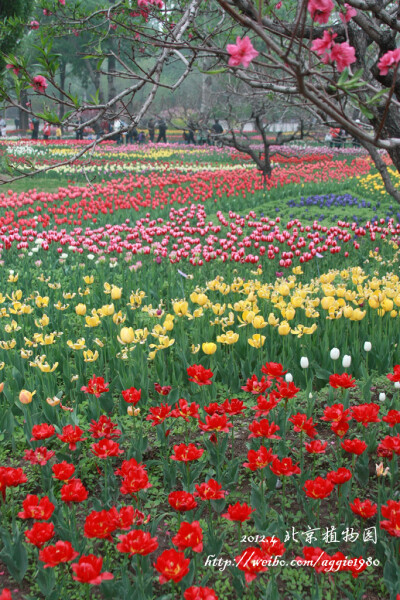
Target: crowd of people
{"x": 123, "y": 132}
{"x": 337, "y": 138}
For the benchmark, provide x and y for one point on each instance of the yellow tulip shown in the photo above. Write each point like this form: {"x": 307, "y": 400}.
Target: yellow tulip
{"x": 127, "y": 335}
{"x": 92, "y": 321}
{"x": 327, "y": 302}
{"x": 230, "y": 337}
{"x": 168, "y": 324}
{"x": 78, "y": 345}
{"x": 284, "y": 328}
{"x": 296, "y": 301}
{"x": 53, "y": 401}
{"x": 272, "y": 320}
{"x": 180, "y": 308}
{"x": 165, "y": 342}
{"x": 209, "y": 347}
{"x": 80, "y": 309}
{"x": 284, "y": 289}
{"x": 387, "y": 305}
{"x": 219, "y": 309}
{"x": 116, "y": 292}
{"x": 290, "y": 314}
{"x": 89, "y": 356}
{"x": 201, "y": 299}
{"x": 258, "y": 322}
{"x": 60, "y": 306}
{"x": 42, "y": 301}
{"x": 248, "y": 316}
{"x": 119, "y": 318}
{"x": 107, "y": 310}
{"x": 257, "y": 340}
{"x": 348, "y": 312}
{"x": 43, "y": 322}
{"x": 373, "y": 301}
{"x": 358, "y": 314}
{"x": 46, "y": 368}
{"x": 25, "y": 397}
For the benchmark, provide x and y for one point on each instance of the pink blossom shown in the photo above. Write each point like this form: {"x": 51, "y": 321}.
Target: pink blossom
{"x": 388, "y": 60}
{"x": 323, "y": 45}
{"x": 278, "y": 6}
{"x": 320, "y": 10}
{"x": 343, "y": 54}
{"x": 39, "y": 84}
{"x": 62, "y": 2}
{"x": 242, "y": 52}
{"x": 34, "y": 25}
{"x": 46, "y": 12}
{"x": 15, "y": 69}
{"x": 143, "y": 3}
{"x": 348, "y": 13}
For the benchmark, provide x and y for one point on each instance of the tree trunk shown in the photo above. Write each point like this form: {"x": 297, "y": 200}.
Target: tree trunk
{"x": 112, "y": 92}
{"x": 391, "y": 128}
{"x": 23, "y": 116}
{"x": 206, "y": 81}
{"x": 63, "y": 68}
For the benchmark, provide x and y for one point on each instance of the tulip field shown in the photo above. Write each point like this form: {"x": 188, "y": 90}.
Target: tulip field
{"x": 200, "y": 375}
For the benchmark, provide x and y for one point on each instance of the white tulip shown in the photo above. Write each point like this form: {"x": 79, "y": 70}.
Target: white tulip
{"x": 382, "y": 397}
{"x": 346, "y": 362}
{"x": 397, "y": 385}
{"x": 335, "y": 353}
{"x": 304, "y": 362}
{"x": 367, "y": 346}
{"x": 288, "y": 378}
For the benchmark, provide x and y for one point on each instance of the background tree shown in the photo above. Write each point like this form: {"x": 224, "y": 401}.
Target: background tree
{"x": 11, "y": 16}
{"x": 340, "y": 58}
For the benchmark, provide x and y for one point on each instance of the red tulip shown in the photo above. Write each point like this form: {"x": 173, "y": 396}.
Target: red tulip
{"x": 172, "y": 566}
{"x": 88, "y": 570}
{"x": 60, "y": 552}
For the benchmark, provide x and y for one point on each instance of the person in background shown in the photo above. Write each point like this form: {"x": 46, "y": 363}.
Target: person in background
{"x": 342, "y": 138}
{"x": 98, "y": 130}
{"x": 202, "y": 137}
{"x": 123, "y": 134}
{"x": 79, "y": 130}
{"x": 46, "y": 131}
{"x": 142, "y": 137}
{"x": 190, "y": 138}
{"x": 132, "y": 135}
{"x": 162, "y": 130}
{"x": 328, "y": 139}
{"x": 58, "y": 132}
{"x": 105, "y": 126}
{"x": 151, "y": 127}
{"x": 334, "y": 131}
{"x": 217, "y": 127}
{"x": 35, "y": 128}
{"x": 3, "y": 127}
{"x": 117, "y": 125}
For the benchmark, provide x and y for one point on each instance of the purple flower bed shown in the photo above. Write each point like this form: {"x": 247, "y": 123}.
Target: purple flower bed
{"x": 340, "y": 201}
